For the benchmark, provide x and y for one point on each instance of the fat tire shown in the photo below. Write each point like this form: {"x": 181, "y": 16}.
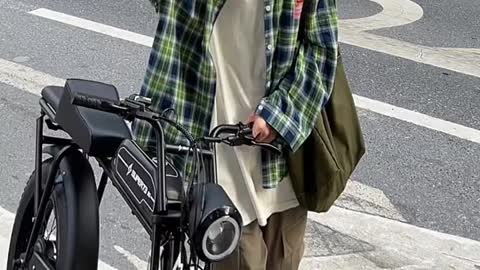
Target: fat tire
{"x": 23, "y": 224}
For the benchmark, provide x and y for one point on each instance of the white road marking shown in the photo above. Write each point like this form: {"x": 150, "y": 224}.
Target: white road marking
{"x": 25, "y": 78}
{"x": 33, "y": 81}
{"x": 104, "y": 266}
{"x": 395, "y": 13}
{"x": 418, "y": 119}
{"x": 6, "y": 224}
{"x": 3, "y": 252}
{"x": 401, "y": 12}
{"x": 132, "y": 258}
{"x": 459, "y": 60}
{"x": 94, "y": 26}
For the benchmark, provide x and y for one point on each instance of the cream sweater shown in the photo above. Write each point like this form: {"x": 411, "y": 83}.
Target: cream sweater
{"x": 238, "y": 51}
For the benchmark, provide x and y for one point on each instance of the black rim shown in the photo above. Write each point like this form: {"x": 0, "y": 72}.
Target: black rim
{"x": 47, "y": 244}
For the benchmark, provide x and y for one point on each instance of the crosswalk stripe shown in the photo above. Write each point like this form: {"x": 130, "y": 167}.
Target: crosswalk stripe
{"x": 25, "y": 78}
{"x": 94, "y": 26}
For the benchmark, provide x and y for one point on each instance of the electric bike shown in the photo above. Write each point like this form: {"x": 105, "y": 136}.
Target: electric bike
{"x": 188, "y": 216}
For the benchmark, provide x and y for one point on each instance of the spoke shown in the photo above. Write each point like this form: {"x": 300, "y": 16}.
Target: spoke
{"x": 53, "y": 228}
{"x": 50, "y": 234}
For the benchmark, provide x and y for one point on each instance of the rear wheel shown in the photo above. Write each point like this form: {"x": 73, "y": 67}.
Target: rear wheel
{"x": 52, "y": 242}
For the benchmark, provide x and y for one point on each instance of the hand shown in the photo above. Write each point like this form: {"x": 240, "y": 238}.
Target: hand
{"x": 261, "y": 130}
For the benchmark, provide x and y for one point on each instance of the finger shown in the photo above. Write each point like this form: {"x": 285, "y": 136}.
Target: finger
{"x": 270, "y": 138}
{"x": 255, "y": 130}
{"x": 251, "y": 118}
{"x": 263, "y": 134}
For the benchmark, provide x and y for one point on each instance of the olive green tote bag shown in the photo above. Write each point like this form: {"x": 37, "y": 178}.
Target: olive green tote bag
{"x": 320, "y": 169}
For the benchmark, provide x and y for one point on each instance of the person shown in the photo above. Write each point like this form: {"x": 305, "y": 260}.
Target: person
{"x": 268, "y": 63}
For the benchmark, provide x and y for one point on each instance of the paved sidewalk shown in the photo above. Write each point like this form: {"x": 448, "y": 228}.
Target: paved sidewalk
{"x": 346, "y": 239}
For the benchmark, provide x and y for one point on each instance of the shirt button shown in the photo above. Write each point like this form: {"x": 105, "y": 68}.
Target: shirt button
{"x": 269, "y": 47}
{"x": 268, "y": 8}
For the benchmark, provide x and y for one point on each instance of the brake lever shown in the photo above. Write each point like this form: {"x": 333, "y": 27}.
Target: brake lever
{"x": 268, "y": 146}
{"x": 246, "y": 132}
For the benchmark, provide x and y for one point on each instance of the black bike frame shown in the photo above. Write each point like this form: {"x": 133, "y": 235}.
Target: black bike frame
{"x": 165, "y": 225}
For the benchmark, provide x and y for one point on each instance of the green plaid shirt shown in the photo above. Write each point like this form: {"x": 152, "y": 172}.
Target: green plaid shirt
{"x": 301, "y": 63}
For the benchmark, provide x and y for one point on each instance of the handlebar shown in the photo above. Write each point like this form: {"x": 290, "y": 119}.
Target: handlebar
{"x": 240, "y": 134}
{"x": 99, "y": 104}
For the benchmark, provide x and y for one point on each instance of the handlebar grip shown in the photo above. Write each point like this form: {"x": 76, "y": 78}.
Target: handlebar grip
{"x": 88, "y": 102}
{"x": 246, "y": 131}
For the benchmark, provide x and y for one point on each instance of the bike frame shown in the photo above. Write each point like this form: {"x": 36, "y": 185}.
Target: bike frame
{"x": 165, "y": 223}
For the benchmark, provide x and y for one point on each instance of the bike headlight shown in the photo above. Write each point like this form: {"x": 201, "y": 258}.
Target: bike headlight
{"x": 216, "y": 230}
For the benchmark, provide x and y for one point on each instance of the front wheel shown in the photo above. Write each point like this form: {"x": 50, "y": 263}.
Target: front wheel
{"x": 58, "y": 237}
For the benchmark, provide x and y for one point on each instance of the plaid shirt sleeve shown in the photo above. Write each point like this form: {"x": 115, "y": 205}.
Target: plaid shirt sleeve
{"x": 294, "y": 104}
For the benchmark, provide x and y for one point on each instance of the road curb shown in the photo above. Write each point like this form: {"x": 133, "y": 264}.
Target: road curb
{"x": 362, "y": 241}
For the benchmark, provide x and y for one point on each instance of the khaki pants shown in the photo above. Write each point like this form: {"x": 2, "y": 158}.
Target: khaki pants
{"x": 277, "y": 246}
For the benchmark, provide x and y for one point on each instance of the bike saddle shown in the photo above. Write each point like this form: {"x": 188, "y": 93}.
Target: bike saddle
{"x": 98, "y": 133}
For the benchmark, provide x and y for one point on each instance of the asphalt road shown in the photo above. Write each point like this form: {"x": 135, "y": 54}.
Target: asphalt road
{"x": 431, "y": 178}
